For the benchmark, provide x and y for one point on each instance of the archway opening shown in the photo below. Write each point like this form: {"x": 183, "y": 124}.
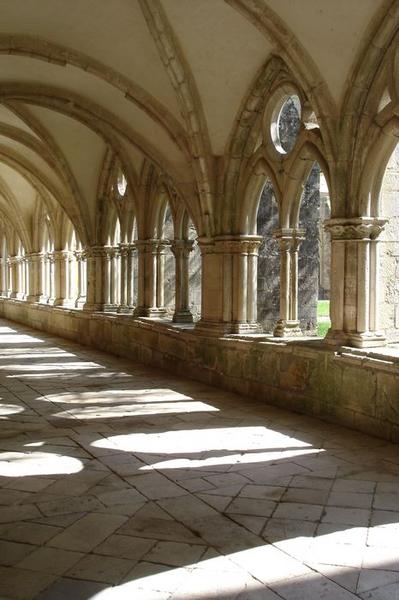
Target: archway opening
{"x": 268, "y": 299}
{"x": 314, "y": 256}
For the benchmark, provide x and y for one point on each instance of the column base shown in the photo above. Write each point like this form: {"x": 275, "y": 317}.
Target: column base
{"x": 369, "y": 339}
{"x": 336, "y": 337}
{"x": 182, "y": 316}
{"x": 285, "y": 328}
{"x": 124, "y": 309}
{"x": 150, "y": 312}
{"x": 80, "y": 302}
{"x": 109, "y": 307}
{"x": 33, "y": 298}
{"x": 91, "y": 307}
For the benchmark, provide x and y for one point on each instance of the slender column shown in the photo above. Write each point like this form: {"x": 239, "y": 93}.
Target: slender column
{"x": 3, "y": 280}
{"x": 131, "y": 257}
{"x": 115, "y": 279}
{"x": 289, "y": 241}
{"x": 94, "y": 280}
{"x": 14, "y": 270}
{"x": 81, "y": 283}
{"x": 21, "y": 278}
{"x": 51, "y": 278}
{"x": 181, "y": 250}
{"x": 107, "y": 279}
{"x": 354, "y": 281}
{"x": 124, "y": 260}
{"x": 60, "y": 261}
{"x": 252, "y": 284}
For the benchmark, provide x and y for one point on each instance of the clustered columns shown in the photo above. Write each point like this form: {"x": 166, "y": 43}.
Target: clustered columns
{"x": 81, "y": 278}
{"x": 61, "y": 277}
{"x": 151, "y": 275}
{"x": 34, "y": 263}
{"x": 131, "y": 252}
{"x": 94, "y": 256}
{"x": 181, "y": 250}
{"x": 289, "y": 241}
{"x": 229, "y": 284}
{"x": 354, "y": 281}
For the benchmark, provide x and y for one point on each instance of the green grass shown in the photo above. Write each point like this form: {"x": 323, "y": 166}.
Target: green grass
{"x": 323, "y": 308}
{"x": 322, "y": 328}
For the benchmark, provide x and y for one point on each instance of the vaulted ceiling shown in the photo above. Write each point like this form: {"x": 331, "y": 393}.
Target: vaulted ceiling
{"x": 155, "y": 80}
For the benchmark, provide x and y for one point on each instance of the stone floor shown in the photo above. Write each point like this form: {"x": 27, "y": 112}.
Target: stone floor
{"x": 120, "y": 481}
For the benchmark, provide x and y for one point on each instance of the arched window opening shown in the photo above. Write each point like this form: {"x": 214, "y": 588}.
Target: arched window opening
{"x": 121, "y": 184}
{"x": 169, "y": 263}
{"x": 388, "y": 284}
{"x": 268, "y": 261}
{"x": 286, "y": 123}
{"x": 194, "y": 273}
{"x": 314, "y": 256}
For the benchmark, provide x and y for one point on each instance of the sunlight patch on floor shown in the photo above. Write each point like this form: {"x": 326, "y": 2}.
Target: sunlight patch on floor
{"x": 24, "y": 464}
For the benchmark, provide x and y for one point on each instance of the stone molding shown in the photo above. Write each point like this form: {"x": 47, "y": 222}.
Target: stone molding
{"x": 355, "y": 229}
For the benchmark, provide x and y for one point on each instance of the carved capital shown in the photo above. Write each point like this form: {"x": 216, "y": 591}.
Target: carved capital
{"x": 289, "y": 239}
{"x": 355, "y": 229}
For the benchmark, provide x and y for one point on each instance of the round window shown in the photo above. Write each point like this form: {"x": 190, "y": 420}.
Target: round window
{"x": 286, "y": 124}
{"x": 121, "y": 184}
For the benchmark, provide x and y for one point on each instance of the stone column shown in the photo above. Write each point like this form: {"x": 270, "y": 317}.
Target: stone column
{"x": 14, "y": 279}
{"x": 229, "y": 285}
{"x": 289, "y": 241}
{"x": 115, "y": 279}
{"x": 61, "y": 274}
{"x": 150, "y": 278}
{"x": 130, "y": 290}
{"x": 94, "y": 281}
{"x": 81, "y": 283}
{"x": 108, "y": 254}
{"x": 125, "y": 282}
{"x": 34, "y": 261}
{"x": 252, "y": 285}
{"x": 354, "y": 281}
{"x": 181, "y": 250}
{"x": 3, "y": 275}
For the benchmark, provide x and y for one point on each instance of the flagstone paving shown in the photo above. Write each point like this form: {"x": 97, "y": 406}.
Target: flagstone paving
{"x": 119, "y": 481}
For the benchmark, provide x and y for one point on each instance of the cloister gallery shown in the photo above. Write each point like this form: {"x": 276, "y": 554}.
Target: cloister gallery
{"x": 208, "y": 190}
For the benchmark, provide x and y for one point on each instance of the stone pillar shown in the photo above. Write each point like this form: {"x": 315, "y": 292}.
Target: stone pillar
{"x": 354, "y": 281}
{"x": 34, "y": 262}
{"x": 150, "y": 278}
{"x": 81, "y": 279}
{"x": 61, "y": 275}
{"x": 14, "y": 279}
{"x": 108, "y": 283}
{"x": 51, "y": 278}
{"x": 289, "y": 241}
{"x": 229, "y": 285}
{"x": 3, "y": 276}
{"x": 94, "y": 256}
{"x": 125, "y": 282}
{"x": 131, "y": 256}
{"x": 181, "y": 250}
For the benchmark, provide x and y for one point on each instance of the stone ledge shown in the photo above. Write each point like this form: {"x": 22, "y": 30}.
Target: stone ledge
{"x": 356, "y": 388}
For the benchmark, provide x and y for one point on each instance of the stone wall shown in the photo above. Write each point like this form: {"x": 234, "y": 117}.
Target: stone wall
{"x": 389, "y": 251}
{"x": 355, "y": 388}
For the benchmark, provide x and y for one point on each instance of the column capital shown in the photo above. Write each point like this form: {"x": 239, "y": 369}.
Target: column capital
{"x": 355, "y": 228}
{"x": 241, "y": 244}
{"x": 61, "y": 254}
{"x": 181, "y": 247}
{"x": 289, "y": 238}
